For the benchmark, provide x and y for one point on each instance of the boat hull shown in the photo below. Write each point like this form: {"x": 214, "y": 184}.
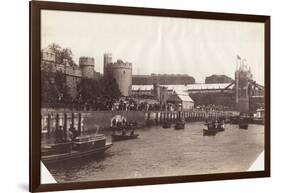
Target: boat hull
{"x": 179, "y": 126}
{"x": 243, "y": 126}
{"x": 123, "y": 137}
{"x": 51, "y": 159}
{"x": 166, "y": 125}
{"x": 209, "y": 132}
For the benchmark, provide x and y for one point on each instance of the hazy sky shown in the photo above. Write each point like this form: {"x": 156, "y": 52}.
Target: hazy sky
{"x": 157, "y": 44}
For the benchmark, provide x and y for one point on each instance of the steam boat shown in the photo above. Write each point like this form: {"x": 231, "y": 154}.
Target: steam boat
{"x": 80, "y": 147}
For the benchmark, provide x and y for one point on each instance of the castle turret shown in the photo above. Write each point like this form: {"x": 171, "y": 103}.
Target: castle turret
{"x": 122, "y": 73}
{"x": 87, "y": 65}
{"x": 48, "y": 56}
{"x": 107, "y": 59}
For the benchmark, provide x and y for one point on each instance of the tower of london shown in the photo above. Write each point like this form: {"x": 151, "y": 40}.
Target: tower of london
{"x": 119, "y": 70}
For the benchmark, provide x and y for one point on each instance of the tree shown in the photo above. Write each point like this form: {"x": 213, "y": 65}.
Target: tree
{"x": 62, "y": 88}
{"x": 62, "y": 54}
{"x": 54, "y": 91}
{"x": 89, "y": 90}
{"x": 110, "y": 88}
{"x": 99, "y": 94}
{"x": 49, "y": 94}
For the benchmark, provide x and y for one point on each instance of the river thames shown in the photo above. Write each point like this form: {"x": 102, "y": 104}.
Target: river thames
{"x": 169, "y": 152}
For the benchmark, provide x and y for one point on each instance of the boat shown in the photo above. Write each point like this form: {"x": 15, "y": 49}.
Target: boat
{"x": 218, "y": 126}
{"x": 166, "y": 125}
{"x": 179, "y": 125}
{"x": 209, "y": 132}
{"x": 213, "y": 127}
{"x": 245, "y": 117}
{"x": 234, "y": 119}
{"x": 80, "y": 147}
{"x": 243, "y": 125}
{"x": 121, "y": 137}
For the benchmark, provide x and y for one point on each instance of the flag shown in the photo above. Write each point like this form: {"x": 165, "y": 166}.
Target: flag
{"x": 238, "y": 57}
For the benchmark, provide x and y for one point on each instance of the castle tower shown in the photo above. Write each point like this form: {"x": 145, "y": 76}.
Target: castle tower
{"x": 107, "y": 59}
{"x": 48, "y": 60}
{"x": 122, "y": 73}
{"x": 48, "y": 56}
{"x": 87, "y": 65}
{"x": 243, "y": 76}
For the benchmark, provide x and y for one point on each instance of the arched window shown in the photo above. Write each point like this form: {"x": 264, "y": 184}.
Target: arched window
{"x": 124, "y": 72}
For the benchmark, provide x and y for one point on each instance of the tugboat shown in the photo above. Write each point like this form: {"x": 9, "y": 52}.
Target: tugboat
{"x": 214, "y": 127}
{"x": 180, "y": 125}
{"x": 80, "y": 147}
{"x": 217, "y": 125}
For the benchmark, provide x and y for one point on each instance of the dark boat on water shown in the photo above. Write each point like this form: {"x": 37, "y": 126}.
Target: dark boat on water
{"x": 209, "y": 132}
{"x": 242, "y": 117}
{"x": 213, "y": 127}
{"x": 220, "y": 128}
{"x": 243, "y": 125}
{"x": 180, "y": 125}
{"x": 80, "y": 147}
{"x": 244, "y": 121}
{"x": 166, "y": 125}
{"x": 121, "y": 137}
{"x": 216, "y": 125}
{"x": 124, "y": 132}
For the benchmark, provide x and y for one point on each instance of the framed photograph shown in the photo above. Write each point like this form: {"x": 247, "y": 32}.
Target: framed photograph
{"x": 125, "y": 96}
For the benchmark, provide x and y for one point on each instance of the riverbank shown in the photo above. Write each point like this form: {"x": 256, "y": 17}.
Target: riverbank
{"x": 91, "y": 120}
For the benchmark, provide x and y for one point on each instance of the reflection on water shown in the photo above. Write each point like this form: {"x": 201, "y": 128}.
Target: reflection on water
{"x": 168, "y": 152}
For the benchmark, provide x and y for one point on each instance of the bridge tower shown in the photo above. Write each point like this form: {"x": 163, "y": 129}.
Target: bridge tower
{"x": 243, "y": 77}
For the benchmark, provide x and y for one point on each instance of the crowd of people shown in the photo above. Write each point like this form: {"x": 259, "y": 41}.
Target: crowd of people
{"x": 66, "y": 135}
{"x": 133, "y": 103}
{"x": 212, "y": 107}
{"x": 123, "y": 104}
{"x": 123, "y": 126}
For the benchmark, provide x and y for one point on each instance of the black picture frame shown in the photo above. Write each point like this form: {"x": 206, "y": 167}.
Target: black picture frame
{"x": 35, "y": 88}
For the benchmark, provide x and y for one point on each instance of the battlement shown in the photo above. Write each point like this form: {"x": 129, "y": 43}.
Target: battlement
{"x": 120, "y": 64}
{"x": 73, "y": 71}
{"x": 86, "y": 61}
{"x": 48, "y": 56}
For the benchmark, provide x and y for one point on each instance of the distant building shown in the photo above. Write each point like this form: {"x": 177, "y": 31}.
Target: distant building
{"x": 191, "y": 88}
{"x": 163, "y": 79}
{"x": 213, "y": 79}
{"x": 201, "y": 94}
{"x": 181, "y": 100}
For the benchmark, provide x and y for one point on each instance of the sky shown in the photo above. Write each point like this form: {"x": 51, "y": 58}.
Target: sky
{"x": 159, "y": 45}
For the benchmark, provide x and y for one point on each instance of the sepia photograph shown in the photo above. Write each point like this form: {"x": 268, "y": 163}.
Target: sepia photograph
{"x": 137, "y": 96}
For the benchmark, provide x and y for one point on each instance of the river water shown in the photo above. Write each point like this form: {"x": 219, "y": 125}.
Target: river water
{"x": 168, "y": 152}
